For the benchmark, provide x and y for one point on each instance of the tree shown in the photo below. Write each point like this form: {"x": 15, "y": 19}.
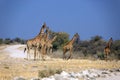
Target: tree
{"x": 96, "y": 38}
{"x": 7, "y": 41}
{"x": 1, "y": 40}
{"x": 116, "y": 49}
{"x": 17, "y": 40}
{"x": 62, "y": 39}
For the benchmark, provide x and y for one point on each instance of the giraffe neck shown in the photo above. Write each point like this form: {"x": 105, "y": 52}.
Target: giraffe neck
{"x": 47, "y": 36}
{"x": 41, "y": 31}
{"x": 52, "y": 40}
{"x": 47, "y": 33}
{"x": 72, "y": 40}
{"x": 109, "y": 44}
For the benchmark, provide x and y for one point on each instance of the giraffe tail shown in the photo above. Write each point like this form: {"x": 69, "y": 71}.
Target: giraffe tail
{"x": 25, "y": 50}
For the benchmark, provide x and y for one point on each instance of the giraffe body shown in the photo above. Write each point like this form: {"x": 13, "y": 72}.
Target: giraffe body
{"x": 49, "y": 45}
{"x": 107, "y": 49}
{"x": 69, "y": 46}
{"x": 33, "y": 43}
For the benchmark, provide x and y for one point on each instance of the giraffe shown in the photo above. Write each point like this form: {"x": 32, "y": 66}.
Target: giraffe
{"x": 42, "y": 43}
{"x": 69, "y": 46}
{"x": 107, "y": 48}
{"x": 31, "y": 43}
{"x": 49, "y": 45}
{"x": 42, "y": 29}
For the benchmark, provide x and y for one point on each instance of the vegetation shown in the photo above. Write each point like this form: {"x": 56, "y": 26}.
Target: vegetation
{"x": 12, "y": 41}
{"x": 88, "y": 48}
{"x": 1, "y": 41}
{"x": 95, "y": 48}
{"x": 48, "y": 72}
{"x": 62, "y": 39}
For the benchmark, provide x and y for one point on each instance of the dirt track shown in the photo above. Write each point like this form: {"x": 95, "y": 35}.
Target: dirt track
{"x": 13, "y": 64}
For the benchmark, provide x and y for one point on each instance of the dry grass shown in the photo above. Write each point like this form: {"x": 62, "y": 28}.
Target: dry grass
{"x": 2, "y": 47}
{"x": 29, "y": 69}
{"x": 13, "y": 67}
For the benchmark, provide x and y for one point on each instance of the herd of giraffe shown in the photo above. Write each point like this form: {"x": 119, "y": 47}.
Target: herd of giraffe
{"x": 42, "y": 44}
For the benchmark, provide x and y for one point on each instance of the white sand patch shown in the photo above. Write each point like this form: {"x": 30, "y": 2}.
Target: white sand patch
{"x": 15, "y": 52}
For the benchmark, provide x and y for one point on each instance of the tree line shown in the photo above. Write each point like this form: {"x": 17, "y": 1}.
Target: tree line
{"x": 93, "y": 47}
{"x": 12, "y": 41}
{"x": 86, "y": 48}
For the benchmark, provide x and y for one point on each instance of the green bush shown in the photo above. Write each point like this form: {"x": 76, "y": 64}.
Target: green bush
{"x": 1, "y": 40}
{"x": 100, "y": 55}
{"x": 48, "y": 72}
{"x": 62, "y": 39}
{"x": 7, "y": 41}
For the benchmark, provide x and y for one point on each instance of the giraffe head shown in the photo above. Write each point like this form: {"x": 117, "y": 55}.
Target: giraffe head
{"x": 44, "y": 25}
{"x": 77, "y": 37}
{"x": 42, "y": 29}
{"x": 110, "y": 41}
{"x": 47, "y": 30}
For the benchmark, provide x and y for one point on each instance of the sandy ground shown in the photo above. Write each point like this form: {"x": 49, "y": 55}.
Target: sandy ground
{"x": 13, "y": 63}
{"x": 15, "y": 52}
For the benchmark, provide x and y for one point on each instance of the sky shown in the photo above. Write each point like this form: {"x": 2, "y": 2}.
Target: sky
{"x": 24, "y": 18}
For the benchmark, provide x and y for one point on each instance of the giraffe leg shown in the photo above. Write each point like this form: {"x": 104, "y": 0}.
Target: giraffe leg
{"x": 43, "y": 53}
{"x": 106, "y": 57}
{"x": 39, "y": 52}
{"x": 34, "y": 53}
{"x": 47, "y": 50}
{"x": 64, "y": 57}
{"x": 28, "y": 53}
{"x": 51, "y": 51}
{"x": 105, "y": 54}
{"x": 110, "y": 54}
{"x": 70, "y": 54}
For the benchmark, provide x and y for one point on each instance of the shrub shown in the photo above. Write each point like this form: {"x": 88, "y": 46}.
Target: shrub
{"x": 49, "y": 72}
{"x": 100, "y": 55}
{"x": 7, "y": 41}
{"x": 62, "y": 39}
{"x": 1, "y": 41}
